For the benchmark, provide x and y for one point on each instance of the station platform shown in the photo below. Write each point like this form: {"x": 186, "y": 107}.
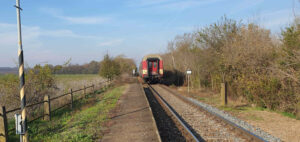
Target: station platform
{"x": 133, "y": 119}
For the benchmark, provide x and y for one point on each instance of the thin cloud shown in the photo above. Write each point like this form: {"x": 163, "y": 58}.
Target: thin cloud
{"x": 85, "y": 20}
{"x": 76, "y": 20}
{"x": 38, "y": 48}
{"x": 145, "y": 3}
{"x": 245, "y": 5}
{"x": 275, "y": 20}
{"x": 111, "y": 43}
{"x": 66, "y": 33}
{"x": 167, "y": 5}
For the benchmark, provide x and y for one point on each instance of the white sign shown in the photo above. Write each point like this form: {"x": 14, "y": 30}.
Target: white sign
{"x": 188, "y": 72}
{"x": 18, "y": 124}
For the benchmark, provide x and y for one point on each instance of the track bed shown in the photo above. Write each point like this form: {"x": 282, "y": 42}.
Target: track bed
{"x": 194, "y": 122}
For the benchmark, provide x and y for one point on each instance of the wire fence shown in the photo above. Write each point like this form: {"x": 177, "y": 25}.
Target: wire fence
{"x": 46, "y": 109}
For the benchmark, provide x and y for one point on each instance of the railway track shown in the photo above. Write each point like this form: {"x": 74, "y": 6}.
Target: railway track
{"x": 196, "y": 123}
{"x": 185, "y": 130}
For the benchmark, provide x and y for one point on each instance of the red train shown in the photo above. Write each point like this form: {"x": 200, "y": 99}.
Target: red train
{"x": 151, "y": 68}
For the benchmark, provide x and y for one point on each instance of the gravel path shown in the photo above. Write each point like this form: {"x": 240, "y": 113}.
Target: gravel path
{"x": 208, "y": 128}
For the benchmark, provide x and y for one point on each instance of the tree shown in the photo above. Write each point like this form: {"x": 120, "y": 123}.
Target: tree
{"x": 109, "y": 68}
{"x": 126, "y": 64}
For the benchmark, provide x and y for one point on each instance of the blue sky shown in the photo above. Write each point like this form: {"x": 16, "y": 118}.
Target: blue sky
{"x": 85, "y": 30}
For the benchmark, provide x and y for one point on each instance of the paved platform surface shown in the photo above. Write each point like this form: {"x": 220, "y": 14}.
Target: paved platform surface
{"x": 133, "y": 121}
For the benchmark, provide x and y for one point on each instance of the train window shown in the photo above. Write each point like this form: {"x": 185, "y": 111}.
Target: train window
{"x": 150, "y": 64}
{"x": 154, "y": 64}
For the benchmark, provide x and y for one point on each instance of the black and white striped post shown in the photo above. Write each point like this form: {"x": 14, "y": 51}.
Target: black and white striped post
{"x": 24, "y": 135}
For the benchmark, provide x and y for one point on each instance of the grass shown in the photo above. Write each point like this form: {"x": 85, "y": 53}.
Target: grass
{"x": 249, "y": 109}
{"x": 85, "y": 123}
{"x": 290, "y": 115}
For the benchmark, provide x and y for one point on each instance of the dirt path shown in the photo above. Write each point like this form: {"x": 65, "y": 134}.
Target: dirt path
{"x": 287, "y": 129}
{"x": 133, "y": 120}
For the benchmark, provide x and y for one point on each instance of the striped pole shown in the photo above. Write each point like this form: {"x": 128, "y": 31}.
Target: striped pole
{"x": 23, "y": 137}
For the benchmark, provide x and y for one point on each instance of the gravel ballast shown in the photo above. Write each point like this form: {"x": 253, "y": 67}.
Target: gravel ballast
{"x": 266, "y": 136}
{"x": 166, "y": 127}
{"x": 208, "y": 128}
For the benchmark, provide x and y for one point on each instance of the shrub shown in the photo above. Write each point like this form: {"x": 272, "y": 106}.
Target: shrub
{"x": 39, "y": 81}
{"x": 109, "y": 68}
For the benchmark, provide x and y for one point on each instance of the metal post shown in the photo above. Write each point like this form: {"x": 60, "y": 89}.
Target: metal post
{"x": 23, "y": 138}
{"x": 188, "y": 83}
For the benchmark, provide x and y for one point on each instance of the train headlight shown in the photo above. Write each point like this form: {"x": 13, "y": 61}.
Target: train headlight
{"x": 161, "y": 71}
{"x": 145, "y": 71}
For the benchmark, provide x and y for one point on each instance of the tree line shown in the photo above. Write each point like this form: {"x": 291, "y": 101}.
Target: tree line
{"x": 122, "y": 64}
{"x": 258, "y": 66}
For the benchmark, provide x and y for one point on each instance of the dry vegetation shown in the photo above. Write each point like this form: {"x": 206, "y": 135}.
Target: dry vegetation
{"x": 39, "y": 81}
{"x": 261, "y": 69}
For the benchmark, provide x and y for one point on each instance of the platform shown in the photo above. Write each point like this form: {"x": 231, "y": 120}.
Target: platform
{"x": 133, "y": 120}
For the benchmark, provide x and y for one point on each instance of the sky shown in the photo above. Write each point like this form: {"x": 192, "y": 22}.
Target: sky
{"x": 84, "y": 30}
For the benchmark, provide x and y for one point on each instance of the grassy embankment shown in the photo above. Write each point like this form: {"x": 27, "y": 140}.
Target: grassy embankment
{"x": 84, "y": 123}
{"x": 236, "y": 107}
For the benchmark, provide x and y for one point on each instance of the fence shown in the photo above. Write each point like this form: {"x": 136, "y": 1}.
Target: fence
{"x": 46, "y": 109}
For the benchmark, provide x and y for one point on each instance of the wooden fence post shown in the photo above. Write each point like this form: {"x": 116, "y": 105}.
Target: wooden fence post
{"x": 71, "y": 97}
{"x": 47, "y": 109}
{"x": 84, "y": 91}
{"x": 298, "y": 110}
{"x": 3, "y": 125}
{"x": 93, "y": 88}
{"x": 212, "y": 84}
{"x": 224, "y": 94}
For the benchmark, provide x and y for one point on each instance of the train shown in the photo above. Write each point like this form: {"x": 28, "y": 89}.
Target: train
{"x": 151, "y": 68}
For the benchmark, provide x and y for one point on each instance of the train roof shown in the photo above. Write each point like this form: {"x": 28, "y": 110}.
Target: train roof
{"x": 152, "y": 56}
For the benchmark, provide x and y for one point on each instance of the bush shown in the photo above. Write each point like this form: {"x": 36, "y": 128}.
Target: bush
{"x": 256, "y": 66}
{"x": 109, "y": 68}
{"x": 39, "y": 81}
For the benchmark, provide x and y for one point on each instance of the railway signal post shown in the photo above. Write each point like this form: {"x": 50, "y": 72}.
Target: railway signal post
{"x": 188, "y": 72}
{"x": 23, "y": 134}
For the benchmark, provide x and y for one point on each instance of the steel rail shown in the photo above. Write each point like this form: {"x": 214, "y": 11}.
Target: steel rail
{"x": 170, "y": 109}
{"x": 247, "y": 133}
